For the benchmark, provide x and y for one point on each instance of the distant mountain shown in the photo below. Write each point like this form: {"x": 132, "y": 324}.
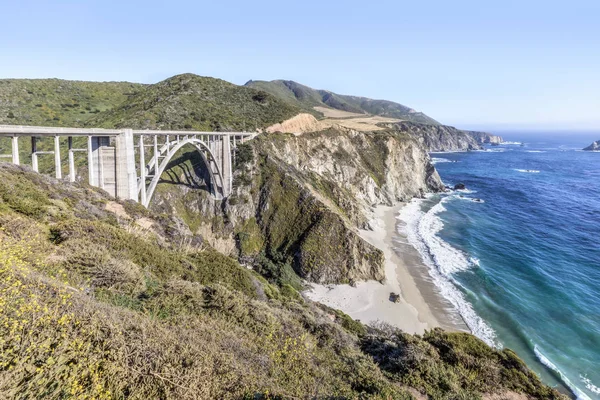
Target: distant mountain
{"x": 307, "y": 98}
{"x": 594, "y": 146}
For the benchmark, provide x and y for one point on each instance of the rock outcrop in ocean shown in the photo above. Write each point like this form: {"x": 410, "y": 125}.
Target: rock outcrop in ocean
{"x": 594, "y": 146}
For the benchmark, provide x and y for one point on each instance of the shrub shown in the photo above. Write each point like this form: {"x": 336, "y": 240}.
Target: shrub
{"x": 22, "y": 195}
{"x": 118, "y": 274}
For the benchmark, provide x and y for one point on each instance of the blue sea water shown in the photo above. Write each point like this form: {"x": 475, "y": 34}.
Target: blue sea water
{"x": 522, "y": 265}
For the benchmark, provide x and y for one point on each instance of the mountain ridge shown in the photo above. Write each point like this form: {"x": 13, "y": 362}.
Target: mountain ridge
{"x": 307, "y": 98}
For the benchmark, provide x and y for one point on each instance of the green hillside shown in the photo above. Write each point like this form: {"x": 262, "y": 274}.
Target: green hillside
{"x": 57, "y": 102}
{"x": 201, "y": 103}
{"x": 183, "y": 102}
{"x": 106, "y": 300}
{"x": 306, "y": 98}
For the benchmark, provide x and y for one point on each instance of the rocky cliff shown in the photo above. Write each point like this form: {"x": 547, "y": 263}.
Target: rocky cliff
{"x": 445, "y": 138}
{"x": 594, "y": 146}
{"x": 485, "y": 138}
{"x": 300, "y": 198}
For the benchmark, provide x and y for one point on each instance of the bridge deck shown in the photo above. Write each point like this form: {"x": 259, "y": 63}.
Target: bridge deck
{"x": 41, "y": 131}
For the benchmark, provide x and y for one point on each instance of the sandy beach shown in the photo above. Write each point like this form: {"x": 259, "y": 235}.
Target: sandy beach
{"x": 420, "y": 307}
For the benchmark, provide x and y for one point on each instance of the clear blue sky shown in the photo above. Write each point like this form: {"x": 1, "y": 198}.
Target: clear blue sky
{"x": 478, "y": 63}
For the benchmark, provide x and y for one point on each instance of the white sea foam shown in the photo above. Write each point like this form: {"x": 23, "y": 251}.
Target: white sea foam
{"x": 531, "y": 171}
{"x": 535, "y": 151}
{"x": 466, "y": 191}
{"x": 443, "y": 261}
{"x": 510, "y": 143}
{"x": 546, "y": 361}
{"x": 437, "y": 160}
{"x": 474, "y": 200}
{"x": 589, "y": 385}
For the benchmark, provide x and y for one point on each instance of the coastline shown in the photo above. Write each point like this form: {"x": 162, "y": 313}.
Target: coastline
{"x": 420, "y": 307}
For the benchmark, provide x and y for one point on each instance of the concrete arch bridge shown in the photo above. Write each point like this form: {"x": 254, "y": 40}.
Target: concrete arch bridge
{"x": 128, "y": 163}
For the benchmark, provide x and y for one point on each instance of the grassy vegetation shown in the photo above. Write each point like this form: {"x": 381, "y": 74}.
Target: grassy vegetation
{"x": 94, "y": 306}
{"x": 306, "y": 98}
{"x": 56, "y": 102}
{"x": 188, "y": 101}
{"x": 183, "y": 102}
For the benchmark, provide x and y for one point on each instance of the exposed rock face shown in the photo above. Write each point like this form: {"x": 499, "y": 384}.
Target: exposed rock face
{"x": 301, "y": 198}
{"x": 445, "y": 138}
{"x": 300, "y": 123}
{"x": 594, "y": 146}
{"x": 485, "y": 138}
{"x": 305, "y": 195}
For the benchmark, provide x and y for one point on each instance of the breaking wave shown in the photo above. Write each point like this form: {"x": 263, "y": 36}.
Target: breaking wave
{"x": 437, "y": 160}
{"x": 443, "y": 260}
{"x": 546, "y": 361}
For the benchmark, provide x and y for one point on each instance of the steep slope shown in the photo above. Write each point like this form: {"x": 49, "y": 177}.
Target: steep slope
{"x": 193, "y": 102}
{"x": 101, "y": 300}
{"x": 445, "y": 138}
{"x": 595, "y": 146}
{"x": 307, "y": 98}
{"x": 57, "y": 102}
{"x": 291, "y": 192}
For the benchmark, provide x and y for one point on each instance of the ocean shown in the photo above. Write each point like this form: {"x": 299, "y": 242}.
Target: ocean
{"x": 518, "y": 252}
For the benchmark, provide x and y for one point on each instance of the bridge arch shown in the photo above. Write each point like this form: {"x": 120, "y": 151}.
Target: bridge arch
{"x": 112, "y": 160}
{"x": 217, "y": 183}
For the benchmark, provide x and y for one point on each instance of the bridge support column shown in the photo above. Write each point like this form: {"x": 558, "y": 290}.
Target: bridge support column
{"x": 71, "y": 160}
{"x": 155, "y": 153}
{"x": 57, "y": 166}
{"x": 226, "y": 165}
{"x": 34, "y": 154}
{"x": 125, "y": 163}
{"x": 142, "y": 171}
{"x": 91, "y": 165}
{"x": 15, "y": 150}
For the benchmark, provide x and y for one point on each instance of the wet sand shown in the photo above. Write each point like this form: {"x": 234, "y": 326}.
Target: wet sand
{"x": 420, "y": 307}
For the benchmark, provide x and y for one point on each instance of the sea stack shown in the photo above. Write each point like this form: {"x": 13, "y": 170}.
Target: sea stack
{"x": 594, "y": 146}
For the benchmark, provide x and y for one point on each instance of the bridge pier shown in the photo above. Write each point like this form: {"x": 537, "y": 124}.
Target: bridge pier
{"x": 15, "y": 150}
{"x": 57, "y": 164}
{"x": 34, "y": 154}
{"x": 143, "y": 170}
{"x": 71, "y": 160}
{"x": 126, "y": 181}
{"x": 90, "y": 160}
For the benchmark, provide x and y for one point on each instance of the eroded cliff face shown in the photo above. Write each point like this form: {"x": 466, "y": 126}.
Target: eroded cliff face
{"x": 446, "y": 138}
{"x": 302, "y": 198}
{"x": 307, "y": 195}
